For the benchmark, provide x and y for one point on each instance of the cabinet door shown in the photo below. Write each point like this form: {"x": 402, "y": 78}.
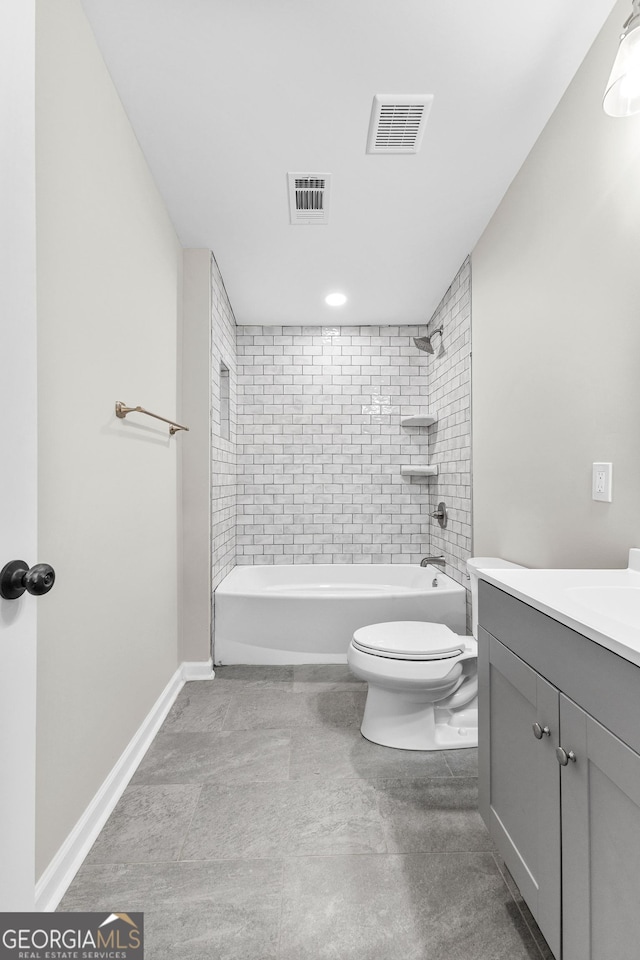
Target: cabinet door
{"x": 600, "y": 841}
{"x": 519, "y": 777}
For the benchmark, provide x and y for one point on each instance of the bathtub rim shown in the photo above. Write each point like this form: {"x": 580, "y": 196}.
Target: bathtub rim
{"x": 243, "y": 589}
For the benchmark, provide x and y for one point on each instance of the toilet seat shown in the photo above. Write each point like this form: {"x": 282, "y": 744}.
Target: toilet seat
{"x": 409, "y": 640}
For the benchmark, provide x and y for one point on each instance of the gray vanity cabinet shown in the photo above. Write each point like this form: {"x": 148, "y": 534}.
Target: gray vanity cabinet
{"x": 600, "y": 841}
{"x": 559, "y": 776}
{"x": 520, "y": 778}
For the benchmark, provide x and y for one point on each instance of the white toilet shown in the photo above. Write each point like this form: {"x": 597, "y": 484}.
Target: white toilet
{"x": 422, "y": 678}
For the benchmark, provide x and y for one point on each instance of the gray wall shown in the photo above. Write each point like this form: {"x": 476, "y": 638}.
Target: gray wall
{"x": 208, "y": 465}
{"x": 195, "y": 457}
{"x": 556, "y": 338}
{"x": 108, "y": 292}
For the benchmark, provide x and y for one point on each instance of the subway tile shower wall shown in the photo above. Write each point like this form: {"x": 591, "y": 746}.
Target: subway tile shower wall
{"x": 320, "y": 445}
{"x": 223, "y": 448}
{"x": 450, "y": 438}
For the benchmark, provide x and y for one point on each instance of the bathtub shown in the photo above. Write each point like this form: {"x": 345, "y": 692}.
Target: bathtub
{"x": 307, "y": 613}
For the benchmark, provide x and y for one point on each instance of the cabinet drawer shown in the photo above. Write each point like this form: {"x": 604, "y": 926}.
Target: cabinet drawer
{"x": 603, "y": 683}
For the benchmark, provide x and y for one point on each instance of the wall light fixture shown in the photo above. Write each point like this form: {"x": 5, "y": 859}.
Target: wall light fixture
{"x": 622, "y": 95}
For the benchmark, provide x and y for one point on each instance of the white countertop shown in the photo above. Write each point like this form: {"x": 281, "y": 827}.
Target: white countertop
{"x": 603, "y": 605}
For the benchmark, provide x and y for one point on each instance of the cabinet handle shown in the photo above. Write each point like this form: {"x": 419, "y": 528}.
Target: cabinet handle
{"x": 540, "y": 732}
{"x": 563, "y": 757}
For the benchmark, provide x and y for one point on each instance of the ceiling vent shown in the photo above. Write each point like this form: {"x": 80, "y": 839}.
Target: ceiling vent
{"x": 309, "y": 197}
{"x": 397, "y": 122}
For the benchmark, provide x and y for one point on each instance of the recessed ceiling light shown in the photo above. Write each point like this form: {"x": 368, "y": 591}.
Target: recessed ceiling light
{"x": 335, "y": 299}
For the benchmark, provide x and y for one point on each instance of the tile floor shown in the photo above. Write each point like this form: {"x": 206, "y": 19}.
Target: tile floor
{"x": 262, "y": 826}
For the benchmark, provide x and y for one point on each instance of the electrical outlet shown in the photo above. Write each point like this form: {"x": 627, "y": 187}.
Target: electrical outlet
{"x": 601, "y": 482}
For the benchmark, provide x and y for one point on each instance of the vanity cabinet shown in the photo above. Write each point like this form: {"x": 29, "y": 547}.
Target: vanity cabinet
{"x": 559, "y": 771}
{"x": 600, "y": 841}
{"x": 520, "y": 777}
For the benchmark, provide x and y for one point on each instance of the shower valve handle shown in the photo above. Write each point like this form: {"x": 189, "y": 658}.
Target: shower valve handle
{"x": 17, "y": 576}
{"x": 441, "y": 514}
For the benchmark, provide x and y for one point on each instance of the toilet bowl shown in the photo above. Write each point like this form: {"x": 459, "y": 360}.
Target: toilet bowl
{"x": 422, "y": 679}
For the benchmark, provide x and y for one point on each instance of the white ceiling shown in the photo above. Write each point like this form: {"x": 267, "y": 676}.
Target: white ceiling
{"x": 227, "y": 96}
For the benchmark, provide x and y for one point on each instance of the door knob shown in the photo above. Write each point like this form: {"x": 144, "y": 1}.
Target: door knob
{"x": 17, "y": 576}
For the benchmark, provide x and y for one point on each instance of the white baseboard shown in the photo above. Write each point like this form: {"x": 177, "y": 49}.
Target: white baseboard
{"x": 197, "y": 670}
{"x": 55, "y": 880}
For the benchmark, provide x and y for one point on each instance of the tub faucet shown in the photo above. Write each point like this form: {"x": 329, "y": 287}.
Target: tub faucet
{"x": 439, "y": 560}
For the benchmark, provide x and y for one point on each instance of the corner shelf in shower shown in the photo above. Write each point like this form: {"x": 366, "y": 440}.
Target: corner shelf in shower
{"x": 421, "y": 420}
{"x": 419, "y": 470}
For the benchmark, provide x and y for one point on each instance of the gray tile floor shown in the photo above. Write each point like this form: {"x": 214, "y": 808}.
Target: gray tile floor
{"x": 262, "y": 826}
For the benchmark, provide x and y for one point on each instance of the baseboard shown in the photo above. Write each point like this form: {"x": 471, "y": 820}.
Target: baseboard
{"x": 197, "y": 670}
{"x": 55, "y": 880}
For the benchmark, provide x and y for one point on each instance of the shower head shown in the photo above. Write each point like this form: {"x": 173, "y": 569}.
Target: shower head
{"x": 424, "y": 343}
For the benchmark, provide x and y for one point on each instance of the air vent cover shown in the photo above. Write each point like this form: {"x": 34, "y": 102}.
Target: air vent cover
{"x": 397, "y": 122}
{"x": 309, "y": 197}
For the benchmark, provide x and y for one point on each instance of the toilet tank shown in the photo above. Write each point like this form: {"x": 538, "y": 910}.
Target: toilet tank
{"x": 474, "y": 564}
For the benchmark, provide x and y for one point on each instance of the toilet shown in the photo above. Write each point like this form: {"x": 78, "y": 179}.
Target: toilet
{"x": 422, "y": 678}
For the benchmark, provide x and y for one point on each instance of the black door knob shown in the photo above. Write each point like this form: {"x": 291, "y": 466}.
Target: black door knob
{"x": 16, "y": 577}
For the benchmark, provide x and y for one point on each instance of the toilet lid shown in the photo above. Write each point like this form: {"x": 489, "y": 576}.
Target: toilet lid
{"x": 409, "y": 640}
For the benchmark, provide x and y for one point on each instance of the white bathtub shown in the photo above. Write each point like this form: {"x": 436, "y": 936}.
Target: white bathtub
{"x": 307, "y": 613}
